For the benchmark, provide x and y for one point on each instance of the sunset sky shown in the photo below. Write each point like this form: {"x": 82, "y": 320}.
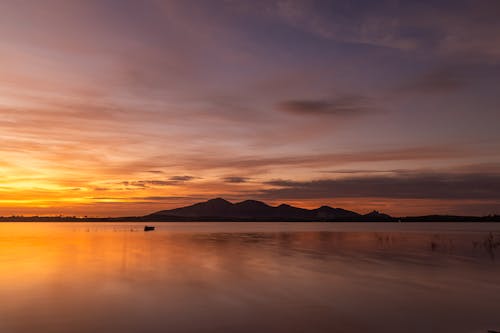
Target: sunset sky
{"x": 113, "y": 108}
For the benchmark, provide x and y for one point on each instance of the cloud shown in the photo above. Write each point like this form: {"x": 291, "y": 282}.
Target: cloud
{"x": 358, "y": 22}
{"x": 167, "y": 197}
{"x": 436, "y": 81}
{"x": 327, "y": 159}
{"x": 256, "y": 164}
{"x": 359, "y": 171}
{"x": 343, "y": 105}
{"x": 407, "y": 186}
{"x": 101, "y": 188}
{"x": 172, "y": 181}
{"x": 462, "y": 29}
{"x": 236, "y": 180}
{"x": 181, "y": 178}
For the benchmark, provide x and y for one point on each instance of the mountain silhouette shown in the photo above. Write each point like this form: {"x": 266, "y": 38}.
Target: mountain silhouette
{"x": 213, "y": 207}
{"x": 376, "y": 215}
{"x": 221, "y": 209}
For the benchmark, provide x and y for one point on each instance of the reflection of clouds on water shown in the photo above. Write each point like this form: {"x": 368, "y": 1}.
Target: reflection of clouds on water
{"x": 388, "y": 245}
{"x": 115, "y": 277}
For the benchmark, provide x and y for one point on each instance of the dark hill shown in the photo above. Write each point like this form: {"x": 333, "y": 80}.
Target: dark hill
{"x": 220, "y": 209}
{"x": 210, "y": 208}
{"x": 327, "y": 212}
{"x": 377, "y": 216}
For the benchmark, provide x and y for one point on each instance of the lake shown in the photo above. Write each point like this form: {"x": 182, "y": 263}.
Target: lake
{"x": 249, "y": 277}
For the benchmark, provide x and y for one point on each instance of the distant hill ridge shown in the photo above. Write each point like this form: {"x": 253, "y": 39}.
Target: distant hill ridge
{"x": 220, "y": 208}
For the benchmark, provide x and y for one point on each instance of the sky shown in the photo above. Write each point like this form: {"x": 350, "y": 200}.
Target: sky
{"x": 114, "y": 108}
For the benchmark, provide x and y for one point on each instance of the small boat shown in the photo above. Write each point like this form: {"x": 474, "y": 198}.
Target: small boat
{"x": 149, "y": 228}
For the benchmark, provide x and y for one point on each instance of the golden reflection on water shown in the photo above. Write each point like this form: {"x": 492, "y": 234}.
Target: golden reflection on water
{"x": 86, "y": 277}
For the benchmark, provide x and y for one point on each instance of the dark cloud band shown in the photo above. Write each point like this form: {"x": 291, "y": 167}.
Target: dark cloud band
{"x": 415, "y": 186}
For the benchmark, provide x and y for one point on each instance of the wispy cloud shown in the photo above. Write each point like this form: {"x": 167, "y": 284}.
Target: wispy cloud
{"x": 461, "y": 30}
{"x": 172, "y": 181}
{"x": 329, "y": 159}
{"x": 438, "y": 80}
{"x": 344, "y": 105}
{"x": 181, "y": 178}
{"x": 236, "y": 179}
{"x": 365, "y": 171}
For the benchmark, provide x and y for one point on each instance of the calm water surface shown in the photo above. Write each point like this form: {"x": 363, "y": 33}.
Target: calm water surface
{"x": 249, "y": 277}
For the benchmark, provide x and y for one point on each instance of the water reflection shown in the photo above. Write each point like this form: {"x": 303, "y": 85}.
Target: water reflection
{"x": 115, "y": 278}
